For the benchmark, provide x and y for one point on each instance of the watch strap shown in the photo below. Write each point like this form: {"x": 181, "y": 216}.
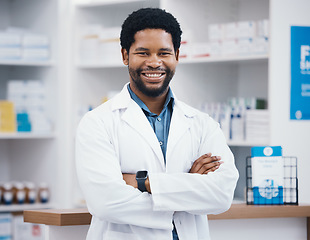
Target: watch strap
{"x": 141, "y": 184}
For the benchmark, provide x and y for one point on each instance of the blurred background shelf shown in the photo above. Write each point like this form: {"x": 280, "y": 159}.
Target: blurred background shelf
{"x": 89, "y": 4}
{"x": 27, "y": 135}
{"x": 26, "y": 63}
{"x": 233, "y": 58}
{"x": 23, "y": 207}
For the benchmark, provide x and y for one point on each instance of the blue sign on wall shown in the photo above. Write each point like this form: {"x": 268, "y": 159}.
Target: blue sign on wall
{"x": 300, "y": 73}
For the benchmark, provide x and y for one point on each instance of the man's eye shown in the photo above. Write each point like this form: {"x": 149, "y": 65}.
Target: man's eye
{"x": 141, "y": 53}
{"x": 165, "y": 53}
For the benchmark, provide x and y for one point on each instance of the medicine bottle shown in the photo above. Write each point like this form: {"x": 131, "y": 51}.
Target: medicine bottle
{"x": 7, "y": 193}
{"x": 44, "y": 193}
{"x": 1, "y": 190}
{"x": 30, "y": 192}
{"x": 20, "y": 194}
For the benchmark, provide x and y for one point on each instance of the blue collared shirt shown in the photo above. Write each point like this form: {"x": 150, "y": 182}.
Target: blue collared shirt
{"x": 160, "y": 123}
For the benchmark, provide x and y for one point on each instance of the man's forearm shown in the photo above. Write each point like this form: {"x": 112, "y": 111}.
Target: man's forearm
{"x": 130, "y": 179}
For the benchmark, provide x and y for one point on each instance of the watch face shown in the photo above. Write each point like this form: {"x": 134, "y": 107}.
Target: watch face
{"x": 141, "y": 174}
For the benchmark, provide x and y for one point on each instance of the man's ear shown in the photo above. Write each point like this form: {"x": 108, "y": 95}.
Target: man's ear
{"x": 125, "y": 56}
{"x": 177, "y": 53}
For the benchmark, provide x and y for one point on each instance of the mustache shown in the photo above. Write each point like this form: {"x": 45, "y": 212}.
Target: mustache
{"x": 150, "y": 69}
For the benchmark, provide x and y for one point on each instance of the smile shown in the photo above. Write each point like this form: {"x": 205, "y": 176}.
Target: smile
{"x": 153, "y": 75}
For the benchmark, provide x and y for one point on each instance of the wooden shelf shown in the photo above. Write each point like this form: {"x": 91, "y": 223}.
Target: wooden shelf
{"x": 58, "y": 217}
{"x": 68, "y": 217}
{"x": 241, "y": 211}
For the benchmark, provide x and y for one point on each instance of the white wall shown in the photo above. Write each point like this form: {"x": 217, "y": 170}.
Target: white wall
{"x": 293, "y": 136}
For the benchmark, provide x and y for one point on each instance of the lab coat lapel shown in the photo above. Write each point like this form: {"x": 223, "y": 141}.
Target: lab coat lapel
{"x": 178, "y": 127}
{"x": 135, "y": 117}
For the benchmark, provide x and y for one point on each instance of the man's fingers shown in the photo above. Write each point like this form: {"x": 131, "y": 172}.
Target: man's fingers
{"x": 207, "y": 166}
{"x": 195, "y": 166}
{"x": 212, "y": 169}
{"x": 204, "y": 163}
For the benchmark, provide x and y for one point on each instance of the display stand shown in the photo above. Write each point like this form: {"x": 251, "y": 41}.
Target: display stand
{"x": 290, "y": 188}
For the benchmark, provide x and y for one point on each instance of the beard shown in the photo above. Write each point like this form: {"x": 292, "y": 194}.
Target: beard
{"x": 135, "y": 75}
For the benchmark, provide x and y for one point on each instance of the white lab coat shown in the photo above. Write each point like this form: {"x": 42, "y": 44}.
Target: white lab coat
{"x": 117, "y": 138}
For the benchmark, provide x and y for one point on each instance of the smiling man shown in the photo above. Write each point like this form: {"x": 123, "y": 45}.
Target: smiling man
{"x": 150, "y": 166}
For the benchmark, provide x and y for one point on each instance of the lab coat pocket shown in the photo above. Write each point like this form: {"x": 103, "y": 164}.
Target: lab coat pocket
{"x": 120, "y": 231}
{"x": 119, "y": 235}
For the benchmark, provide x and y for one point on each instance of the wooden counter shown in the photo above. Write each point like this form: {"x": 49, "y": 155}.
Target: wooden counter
{"x": 73, "y": 223}
{"x": 70, "y": 217}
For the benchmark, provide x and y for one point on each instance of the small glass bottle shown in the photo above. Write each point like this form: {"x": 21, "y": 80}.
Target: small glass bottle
{"x": 30, "y": 192}
{"x": 8, "y": 194}
{"x": 1, "y": 190}
{"x": 20, "y": 195}
{"x": 44, "y": 193}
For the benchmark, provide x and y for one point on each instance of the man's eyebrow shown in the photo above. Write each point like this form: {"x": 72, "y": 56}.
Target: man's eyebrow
{"x": 146, "y": 49}
{"x": 166, "y": 49}
{"x": 142, "y": 49}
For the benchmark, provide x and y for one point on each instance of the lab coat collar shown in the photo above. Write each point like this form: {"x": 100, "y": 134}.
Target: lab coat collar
{"x": 135, "y": 117}
{"x": 123, "y": 100}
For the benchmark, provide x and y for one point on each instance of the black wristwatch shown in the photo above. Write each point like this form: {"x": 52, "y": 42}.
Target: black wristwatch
{"x": 141, "y": 176}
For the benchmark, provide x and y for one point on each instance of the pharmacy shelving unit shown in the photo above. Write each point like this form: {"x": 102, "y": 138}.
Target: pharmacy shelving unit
{"x": 32, "y": 156}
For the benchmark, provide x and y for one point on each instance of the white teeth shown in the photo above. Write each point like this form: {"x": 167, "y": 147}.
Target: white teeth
{"x": 152, "y": 75}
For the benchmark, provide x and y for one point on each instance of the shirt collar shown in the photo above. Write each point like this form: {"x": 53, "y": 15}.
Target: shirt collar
{"x": 141, "y": 104}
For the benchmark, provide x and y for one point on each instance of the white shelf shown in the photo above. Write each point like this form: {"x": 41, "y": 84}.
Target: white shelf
{"x": 258, "y": 57}
{"x": 100, "y": 65}
{"x": 26, "y": 63}
{"x": 233, "y": 58}
{"x": 22, "y": 207}
{"x": 84, "y": 4}
{"x": 246, "y": 143}
{"x": 28, "y": 135}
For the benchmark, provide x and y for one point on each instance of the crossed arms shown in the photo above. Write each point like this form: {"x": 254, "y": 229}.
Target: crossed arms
{"x": 203, "y": 165}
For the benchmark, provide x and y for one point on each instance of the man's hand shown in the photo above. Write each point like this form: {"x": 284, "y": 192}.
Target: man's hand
{"x": 206, "y": 163}
{"x": 203, "y": 165}
{"x": 130, "y": 179}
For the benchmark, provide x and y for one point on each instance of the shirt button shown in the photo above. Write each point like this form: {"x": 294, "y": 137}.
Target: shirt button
{"x": 159, "y": 119}
{"x": 160, "y": 143}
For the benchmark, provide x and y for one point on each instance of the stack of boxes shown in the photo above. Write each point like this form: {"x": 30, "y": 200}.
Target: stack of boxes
{"x": 257, "y": 125}
{"x": 100, "y": 45}
{"x": 14, "y": 227}
{"x": 29, "y": 99}
{"x": 7, "y": 117}
{"x": 230, "y": 39}
{"x": 20, "y": 44}
{"x": 241, "y": 119}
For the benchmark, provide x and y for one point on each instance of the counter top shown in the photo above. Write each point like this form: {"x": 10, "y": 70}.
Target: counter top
{"x": 69, "y": 217}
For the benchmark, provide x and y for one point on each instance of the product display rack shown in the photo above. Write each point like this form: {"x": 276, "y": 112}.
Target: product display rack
{"x": 290, "y": 188}
{"x": 32, "y": 156}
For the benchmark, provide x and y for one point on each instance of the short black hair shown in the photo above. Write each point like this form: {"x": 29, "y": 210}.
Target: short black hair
{"x": 150, "y": 18}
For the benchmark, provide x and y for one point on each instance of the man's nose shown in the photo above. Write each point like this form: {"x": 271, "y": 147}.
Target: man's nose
{"x": 154, "y": 61}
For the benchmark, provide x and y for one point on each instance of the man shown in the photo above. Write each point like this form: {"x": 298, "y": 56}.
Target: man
{"x": 144, "y": 158}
